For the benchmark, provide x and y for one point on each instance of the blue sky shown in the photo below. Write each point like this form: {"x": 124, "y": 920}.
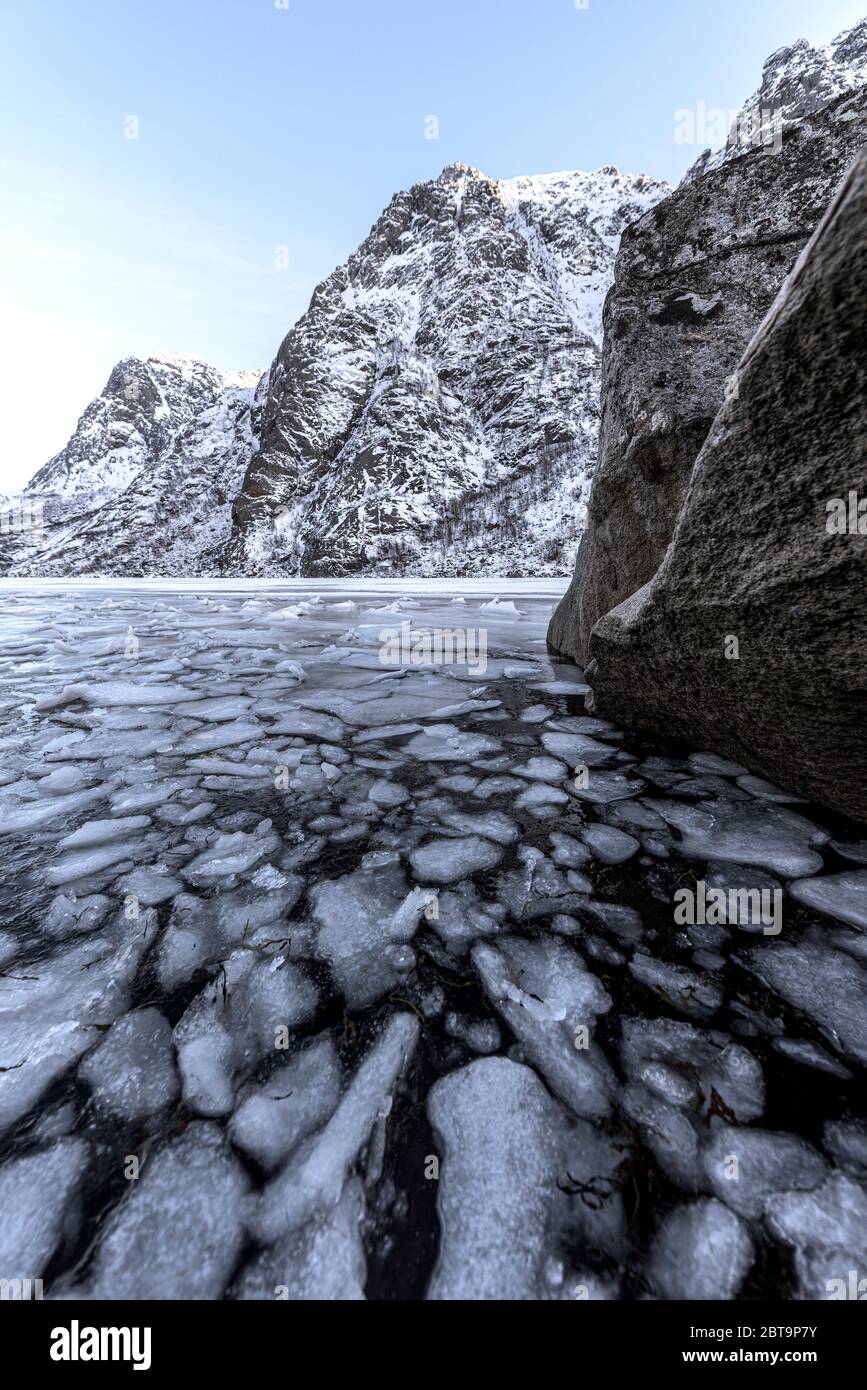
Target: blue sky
{"x": 262, "y": 126}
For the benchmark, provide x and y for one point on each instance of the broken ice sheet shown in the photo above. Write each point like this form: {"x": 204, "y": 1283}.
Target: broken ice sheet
{"x": 436, "y": 889}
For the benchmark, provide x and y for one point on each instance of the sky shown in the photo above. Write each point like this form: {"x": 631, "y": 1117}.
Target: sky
{"x": 178, "y": 175}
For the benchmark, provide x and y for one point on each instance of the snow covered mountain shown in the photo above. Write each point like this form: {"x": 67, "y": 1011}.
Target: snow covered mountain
{"x": 797, "y": 81}
{"x": 434, "y": 411}
{"x": 146, "y": 482}
{"x": 142, "y": 409}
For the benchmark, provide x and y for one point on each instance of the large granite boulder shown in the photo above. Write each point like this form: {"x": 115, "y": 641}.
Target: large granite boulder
{"x": 693, "y": 280}
{"x": 752, "y": 637}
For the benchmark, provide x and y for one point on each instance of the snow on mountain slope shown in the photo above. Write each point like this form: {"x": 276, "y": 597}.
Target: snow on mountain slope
{"x": 143, "y": 406}
{"x": 435, "y": 411}
{"x": 797, "y": 81}
{"x": 173, "y": 515}
{"x": 572, "y": 223}
{"x": 451, "y": 366}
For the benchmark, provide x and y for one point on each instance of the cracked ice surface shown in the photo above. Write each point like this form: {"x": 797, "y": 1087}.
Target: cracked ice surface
{"x": 373, "y": 968}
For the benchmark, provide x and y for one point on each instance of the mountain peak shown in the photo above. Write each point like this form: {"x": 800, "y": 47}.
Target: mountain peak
{"x": 797, "y": 81}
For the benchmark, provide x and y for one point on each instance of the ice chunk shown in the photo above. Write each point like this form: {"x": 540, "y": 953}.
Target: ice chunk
{"x": 219, "y": 708}
{"x": 51, "y": 1015}
{"x": 502, "y": 1139}
{"x": 385, "y": 793}
{"x": 71, "y": 916}
{"x": 38, "y": 1197}
{"x": 479, "y": 1035}
{"x": 550, "y": 1000}
{"x": 568, "y": 851}
{"x": 219, "y": 736}
{"x": 856, "y": 850}
{"x": 493, "y": 825}
{"x": 746, "y": 1166}
{"x": 363, "y": 918}
{"x": 460, "y": 917}
{"x": 178, "y": 1233}
{"x": 828, "y": 1229}
{"x": 708, "y": 1060}
{"x": 772, "y": 837}
{"x": 17, "y": 817}
{"x": 323, "y": 1261}
{"x": 313, "y": 1178}
{"x": 294, "y": 1101}
{"x": 229, "y": 855}
{"x": 701, "y": 1251}
{"x": 150, "y": 886}
{"x": 541, "y": 800}
{"x": 502, "y": 607}
{"x": 113, "y": 693}
{"x": 677, "y": 986}
{"x": 206, "y": 1057}
{"x": 309, "y": 724}
{"x": 444, "y": 743}
{"x": 82, "y": 864}
{"x": 577, "y": 749}
{"x": 132, "y": 1071}
{"x": 847, "y": 1141}
{"x": 606, "y": 787}
{"x": 541, "y": 769}
{"x": 447, "y": 861}
{"x": 836, "y": 895}
{"x": 100, "y": 832}
{"x": 810, "y": 1054}
{"x": 609, "y": 845}
{"x": 828, "y": 986}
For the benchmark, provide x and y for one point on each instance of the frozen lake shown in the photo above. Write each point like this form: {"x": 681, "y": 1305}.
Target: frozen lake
{"x": 343, "y": 955}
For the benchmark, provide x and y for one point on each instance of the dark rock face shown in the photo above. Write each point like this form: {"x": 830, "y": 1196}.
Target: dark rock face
{"x": 752, "y": 636}
{"x": 436, "y": 409}
{"x": 693, "y": 280}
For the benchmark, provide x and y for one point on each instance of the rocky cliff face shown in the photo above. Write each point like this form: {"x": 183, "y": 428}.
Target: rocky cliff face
{"x": 443, "y": 386}
{"x": 174, "y": 514}
{"x": 434, "y": 412}
{"x": 694, "y": 278}
{"x": 752, "y": 638}
{"x": 146, "y": 482}
{"x": 797, "y": 82}
{"x": 121, "y": 433}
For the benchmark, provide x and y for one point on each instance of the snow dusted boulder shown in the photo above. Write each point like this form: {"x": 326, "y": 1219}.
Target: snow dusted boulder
{"x": 752, "y": 638}
{"x": 693, "y": 280}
